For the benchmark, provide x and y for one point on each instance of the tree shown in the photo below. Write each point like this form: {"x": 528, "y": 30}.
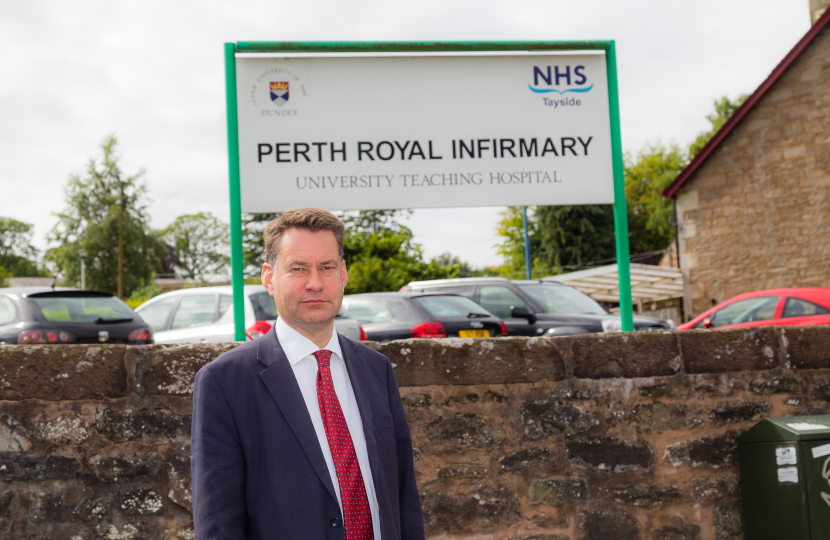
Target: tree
{"x": 650, "y": 215}
{"x": 387, "y": 261}
{"x": 724, "y": 109}
{"x": 94, "y": 207}
{"x": 512, "y": 247}
{"x": 381, "y": 255}
{"x": 253, "y": 243}
{"x": 201, "y": 244}
{"x": 18, "y": 257}
{"x": 464, "y": 268}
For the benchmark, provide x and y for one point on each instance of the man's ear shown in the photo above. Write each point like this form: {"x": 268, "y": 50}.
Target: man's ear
{"x": 344, "y": 273}
{"x": 268, "y": 278}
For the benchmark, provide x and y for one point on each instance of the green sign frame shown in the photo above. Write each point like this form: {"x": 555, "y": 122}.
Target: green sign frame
{"x": 620, "y": 211}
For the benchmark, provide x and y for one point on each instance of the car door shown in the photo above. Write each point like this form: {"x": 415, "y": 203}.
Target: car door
{"x": 499, "y": 300}
{"x": 157, "y": 315}
{"x": 800, "y": 312}
{"x": 192, "y": 320}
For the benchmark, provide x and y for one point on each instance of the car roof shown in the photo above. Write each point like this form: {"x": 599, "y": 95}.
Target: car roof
{"x": 26, "y": 291}
{"x": 215, "y": 289}
{"x": 478, "y": 280}
{"x": 798, "y": 292}
{"x": 404, "y": 294}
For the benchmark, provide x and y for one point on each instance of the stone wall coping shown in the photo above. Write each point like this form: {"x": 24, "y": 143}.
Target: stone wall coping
{"x": 75, "y": 372}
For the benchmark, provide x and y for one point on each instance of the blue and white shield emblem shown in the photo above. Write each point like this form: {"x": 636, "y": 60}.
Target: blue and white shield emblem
{"x": 279, "y": 93}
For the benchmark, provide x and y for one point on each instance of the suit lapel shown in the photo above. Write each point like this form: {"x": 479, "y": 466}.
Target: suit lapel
{"x": 360, "y": 384}
{"x": 282, "y": 384}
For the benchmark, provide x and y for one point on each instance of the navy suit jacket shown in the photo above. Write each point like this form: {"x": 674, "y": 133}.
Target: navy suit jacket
{"x": 257, "y": 468}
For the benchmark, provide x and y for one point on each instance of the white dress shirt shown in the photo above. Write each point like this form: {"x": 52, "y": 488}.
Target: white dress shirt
{"x": 299, "y": 350}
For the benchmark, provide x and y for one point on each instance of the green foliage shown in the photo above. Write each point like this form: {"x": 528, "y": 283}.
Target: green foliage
{"x": 650, "y": 215}
{"x": 464, "y": 268}
{"x": 90, "y": 221}
{"x": 374, "y": 221}
{"x": 381, "y": 255}
{"x": 511, "y": 231}
{"x": 253, "y": 244}
{"x": 18, "y": 257}
{"x": 724, "y": 109}
{"x": 202, "y": 246}
{"x": 143, "y": 293}
{"x": 571, "y": 236}
{"x": 387, "y": 261}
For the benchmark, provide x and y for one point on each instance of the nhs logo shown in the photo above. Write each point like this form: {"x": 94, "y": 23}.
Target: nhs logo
{"x": 566, "y": 78}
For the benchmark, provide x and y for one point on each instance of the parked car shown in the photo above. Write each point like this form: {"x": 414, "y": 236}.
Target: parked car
{"x": 35, "y": 315}
{"x": 389, "y": 316}
{"x": 536, "y": 308}
{"x": 779, "y": 307}
{"x": 205, "y": 315}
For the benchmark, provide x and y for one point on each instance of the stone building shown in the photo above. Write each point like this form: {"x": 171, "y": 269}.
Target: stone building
{"x": 753, "y": 207}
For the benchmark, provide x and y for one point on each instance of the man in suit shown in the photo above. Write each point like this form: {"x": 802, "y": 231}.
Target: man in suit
{"x": 301, "y": 434}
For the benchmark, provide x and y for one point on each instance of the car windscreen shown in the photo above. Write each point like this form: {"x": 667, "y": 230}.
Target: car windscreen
{"x": 82, "y": 309}
{"x": 450, "y": 306}
{"x": 264, "y": 307}
{"x": 559, "y": 299}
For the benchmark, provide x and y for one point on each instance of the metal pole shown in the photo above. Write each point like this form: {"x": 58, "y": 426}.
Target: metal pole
{"x": 83, "y": 272}
{"x": 237, "y": 268}
{"x": 121, "y": 246}
{"x": 620, "y": 210}
{"x": 527, "y": 242}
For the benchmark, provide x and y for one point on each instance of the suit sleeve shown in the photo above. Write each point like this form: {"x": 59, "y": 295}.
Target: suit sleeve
{"x": 412, "y": 519}
{"x": 217, "y": 464}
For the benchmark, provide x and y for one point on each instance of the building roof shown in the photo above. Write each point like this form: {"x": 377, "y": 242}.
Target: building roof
{"x": 649, "y": 283}
{"x": 747, "y": 106}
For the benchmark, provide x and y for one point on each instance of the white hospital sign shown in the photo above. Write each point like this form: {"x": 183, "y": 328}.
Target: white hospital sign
{"x": 359, "y": 132}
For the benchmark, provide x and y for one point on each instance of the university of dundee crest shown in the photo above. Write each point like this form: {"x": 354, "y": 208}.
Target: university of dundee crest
{"x": 279, "y": 93}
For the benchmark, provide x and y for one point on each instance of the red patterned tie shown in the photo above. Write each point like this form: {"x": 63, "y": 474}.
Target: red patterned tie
{"x": 356, "y": 514}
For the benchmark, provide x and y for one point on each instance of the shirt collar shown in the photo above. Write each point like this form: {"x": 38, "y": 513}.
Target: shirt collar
{"x": 296, "y": 346}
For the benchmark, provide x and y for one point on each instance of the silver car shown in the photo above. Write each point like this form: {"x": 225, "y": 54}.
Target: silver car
{"x": 205, "y": 315}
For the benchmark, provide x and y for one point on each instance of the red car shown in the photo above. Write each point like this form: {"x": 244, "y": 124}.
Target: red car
{"x": 773, "y": 307}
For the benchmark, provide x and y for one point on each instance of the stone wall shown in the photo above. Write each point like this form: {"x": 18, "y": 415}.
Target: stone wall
{"x": 756, "y": 214}
{"x": 598, "y": 437}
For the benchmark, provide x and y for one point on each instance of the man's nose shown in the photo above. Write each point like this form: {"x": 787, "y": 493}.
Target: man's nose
{"x": 315, "y": 280}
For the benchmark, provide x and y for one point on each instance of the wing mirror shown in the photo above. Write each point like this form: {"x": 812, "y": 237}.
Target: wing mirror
{"x": 522, "y": 313}
{"x": 707, "y": 323}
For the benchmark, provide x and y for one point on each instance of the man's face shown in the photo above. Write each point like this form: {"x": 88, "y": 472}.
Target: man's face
{"x": 308, "y": 281}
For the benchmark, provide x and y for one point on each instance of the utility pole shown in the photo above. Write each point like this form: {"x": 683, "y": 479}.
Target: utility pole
{"x": 527, "y": 243}
{"x": 83, "y": 254}
{"x": 121, "y": 246}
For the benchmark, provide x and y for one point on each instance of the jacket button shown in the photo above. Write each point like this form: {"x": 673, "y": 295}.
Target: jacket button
{"x": 336, "y": 522}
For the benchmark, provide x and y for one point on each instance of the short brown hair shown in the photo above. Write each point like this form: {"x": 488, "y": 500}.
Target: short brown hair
{"x": 307, "y": 218}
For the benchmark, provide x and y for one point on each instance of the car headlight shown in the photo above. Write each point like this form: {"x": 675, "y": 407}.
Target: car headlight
{"x": 612, "y": 325}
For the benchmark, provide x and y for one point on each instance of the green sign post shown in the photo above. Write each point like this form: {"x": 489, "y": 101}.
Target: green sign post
{"x": 231, "y": 49}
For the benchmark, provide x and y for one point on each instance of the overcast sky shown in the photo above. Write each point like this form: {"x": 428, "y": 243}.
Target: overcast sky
{"x": 152, "y": 73}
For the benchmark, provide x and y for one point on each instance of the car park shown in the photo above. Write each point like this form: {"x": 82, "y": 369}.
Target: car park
{"x": 536, "y": 308}
{"x": 46, "y": 315}
{"x": 205, "y": 315}
{"x": 389, "y": 316}
{"x": 805, "y": 306}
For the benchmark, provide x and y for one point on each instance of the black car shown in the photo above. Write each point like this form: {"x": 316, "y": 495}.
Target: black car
{"x": 36, "y": 315}
{"x": 536, "y": 308}
{"x": 388, "y": 316}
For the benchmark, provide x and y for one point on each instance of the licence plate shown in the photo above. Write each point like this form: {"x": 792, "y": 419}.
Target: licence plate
{"x": 473, "y": 333}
